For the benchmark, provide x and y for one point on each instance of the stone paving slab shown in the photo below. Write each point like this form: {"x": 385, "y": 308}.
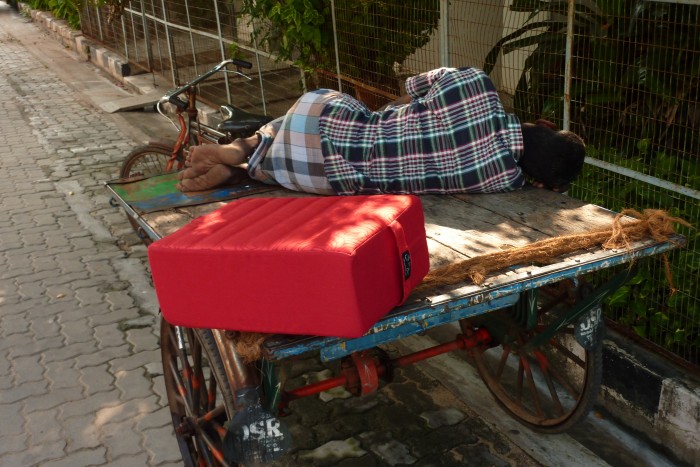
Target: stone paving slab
{"x": 74, "y": 390}
{"x": 132, "y": 103}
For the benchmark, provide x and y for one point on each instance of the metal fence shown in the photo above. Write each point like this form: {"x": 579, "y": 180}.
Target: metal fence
{"x": 181, "y": 39}
{"x": 625, "y": 75}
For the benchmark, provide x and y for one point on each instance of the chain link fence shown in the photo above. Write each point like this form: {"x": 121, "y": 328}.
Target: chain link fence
{"x": 625, "y": 75}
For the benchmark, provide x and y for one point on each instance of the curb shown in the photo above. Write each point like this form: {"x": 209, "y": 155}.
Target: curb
{"x": 86, "y": 49}
{"x": 651, "y": 396}
{"x": 109, "y": 62}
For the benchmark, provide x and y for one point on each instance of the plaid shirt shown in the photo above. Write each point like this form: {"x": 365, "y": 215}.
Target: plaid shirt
{"x": 289, "y": 152}
{"x": 454, "y": 137}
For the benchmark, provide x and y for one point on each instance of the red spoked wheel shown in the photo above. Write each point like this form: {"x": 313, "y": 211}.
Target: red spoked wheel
{"x": 548, "y": 387}
{"x": 199, "y": 395}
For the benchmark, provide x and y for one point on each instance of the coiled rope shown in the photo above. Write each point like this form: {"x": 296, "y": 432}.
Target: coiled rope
{"x": 627, "y": 227}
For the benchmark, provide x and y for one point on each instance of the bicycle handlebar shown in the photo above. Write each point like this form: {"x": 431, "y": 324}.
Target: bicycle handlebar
{"x": 172, "y": 95}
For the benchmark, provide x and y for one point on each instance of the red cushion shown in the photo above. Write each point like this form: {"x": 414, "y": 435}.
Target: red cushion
{"x": 316, "y": 265}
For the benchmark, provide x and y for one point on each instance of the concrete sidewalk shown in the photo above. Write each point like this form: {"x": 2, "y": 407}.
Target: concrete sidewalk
{"x": 81, "y": 379}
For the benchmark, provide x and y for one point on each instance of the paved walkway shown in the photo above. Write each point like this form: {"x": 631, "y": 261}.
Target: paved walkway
{"x": 80, "y": 373}
{"x": 80, "y": 376}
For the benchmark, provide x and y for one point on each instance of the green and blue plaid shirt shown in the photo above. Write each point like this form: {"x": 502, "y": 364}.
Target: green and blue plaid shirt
{"x": 454, "y": 137}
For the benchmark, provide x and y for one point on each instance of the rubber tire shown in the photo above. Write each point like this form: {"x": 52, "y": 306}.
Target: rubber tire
{"x": 152, "y": 157}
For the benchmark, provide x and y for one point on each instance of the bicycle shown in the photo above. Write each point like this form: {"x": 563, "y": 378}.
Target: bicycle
{"x": 162, "y": 156}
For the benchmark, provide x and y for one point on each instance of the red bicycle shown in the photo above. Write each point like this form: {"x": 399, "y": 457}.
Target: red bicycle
{"x": 166, "y": 155}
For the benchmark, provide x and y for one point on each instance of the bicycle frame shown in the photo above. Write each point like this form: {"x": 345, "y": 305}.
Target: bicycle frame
{"x": 191, "y": 130}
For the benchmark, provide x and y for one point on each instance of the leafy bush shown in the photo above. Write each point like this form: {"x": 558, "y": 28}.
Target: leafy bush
{"x": 635, "y": 68}
{"x": 68, "y": 10}
{"x": 301, "y": 31}
{"x": 635, "y": 88}
{"x": 295, "y": 30}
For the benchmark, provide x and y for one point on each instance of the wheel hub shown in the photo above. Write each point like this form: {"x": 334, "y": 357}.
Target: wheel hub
{"x": 186, "y": 427}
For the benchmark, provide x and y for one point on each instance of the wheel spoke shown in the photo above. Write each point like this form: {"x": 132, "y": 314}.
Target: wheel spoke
{"x": 203, "y": 448}
{"x": 544, "y": 369}
{"x": 211, "y": 416}
{"x": 211, "y": 393}
{"x": 213, "y": 449}
{"x": 559, "y": 378}
{"x": 549, "y": 387}
{"x": 502, "y": 363}
{"x": 532, "y": 386}
{"x": 568, "y": 353}
{"x": 180, "y": 386}
{"x": 200, "y": 399}
{"x": 186, "y": 370}
{"x": 197, "y": 374}
{"x": 219, "y": 428}
{"x": 519, "y": 388}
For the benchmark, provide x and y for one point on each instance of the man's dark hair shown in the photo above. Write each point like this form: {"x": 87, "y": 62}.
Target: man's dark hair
{"x": 554, "y": 158}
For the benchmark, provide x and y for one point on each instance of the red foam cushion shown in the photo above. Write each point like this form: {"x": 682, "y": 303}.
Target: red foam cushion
{"x": 318, "y": 265}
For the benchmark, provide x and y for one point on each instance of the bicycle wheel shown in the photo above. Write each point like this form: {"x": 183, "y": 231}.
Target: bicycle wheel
{"x": 549, "y": 387}
{"x": 147, "y": 161}
{"x": 199, "y": 395}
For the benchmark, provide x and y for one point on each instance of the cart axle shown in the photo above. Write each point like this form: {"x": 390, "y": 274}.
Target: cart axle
{"x": 361, "y": 372}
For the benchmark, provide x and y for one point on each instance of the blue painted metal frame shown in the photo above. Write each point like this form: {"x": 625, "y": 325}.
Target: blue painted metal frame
{"x": 133, "y": 214}
{"x": 414, "y": 319}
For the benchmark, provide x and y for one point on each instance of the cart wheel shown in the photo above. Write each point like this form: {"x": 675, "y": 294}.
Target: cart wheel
{"x": 548, "y": 388}
{"x": 199, "y": 396}
{"x": 146, "y": 161}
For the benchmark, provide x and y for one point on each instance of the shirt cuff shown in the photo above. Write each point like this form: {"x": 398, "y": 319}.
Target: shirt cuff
{"x": 267, "y": 135}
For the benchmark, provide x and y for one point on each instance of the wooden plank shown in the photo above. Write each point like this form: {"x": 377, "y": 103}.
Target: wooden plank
{"x": 463, "y": 225}
{"x": 472, "y": 230}
{"x": 548, "y": 212}
{"x": 459, "y": 227}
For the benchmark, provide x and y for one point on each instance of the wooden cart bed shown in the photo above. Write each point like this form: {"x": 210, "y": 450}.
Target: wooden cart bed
{"x": 457, "y": 227}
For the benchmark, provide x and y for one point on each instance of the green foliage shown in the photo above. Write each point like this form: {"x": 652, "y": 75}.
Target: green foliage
{"x": 234, "y": 51}
{"x": 374, "y": 34}
{"x": 635, "y": 69}
{"x": 647, "y": 304}
{"x": 42, "y": 5}
{"x": 635, "y": 88}
{"x": 68, "y": 10}
{"x": 293, "y": 29}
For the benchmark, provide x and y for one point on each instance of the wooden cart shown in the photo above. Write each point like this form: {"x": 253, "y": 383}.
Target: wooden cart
{"x": 534, "y": 332}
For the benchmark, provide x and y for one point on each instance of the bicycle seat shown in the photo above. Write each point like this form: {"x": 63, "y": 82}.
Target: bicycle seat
{"x": 240, "y": 121}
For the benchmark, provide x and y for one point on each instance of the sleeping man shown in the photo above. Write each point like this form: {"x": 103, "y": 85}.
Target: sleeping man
{"x": 449, "y": 134}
